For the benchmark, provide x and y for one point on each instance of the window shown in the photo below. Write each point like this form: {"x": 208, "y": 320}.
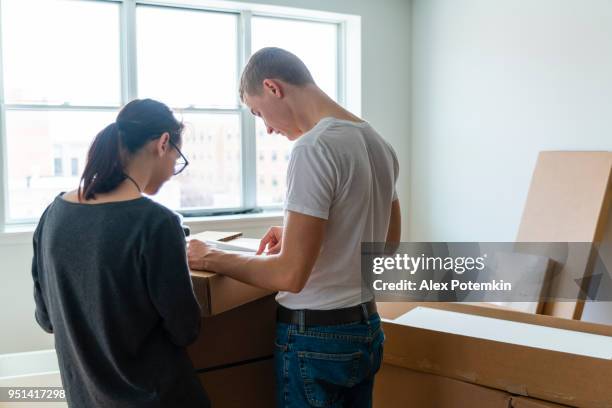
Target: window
{"x": 57, "y": 166}
{"x": 72, "y": 58}
{"x": 187, "y": 58}
{"x": 297, "y": 37}
{"x": 57, "y": 161}
{"x": 74, "y": 167}
{"x": 64, "y": 79}
{"x": 192, "y": 66}
{"x": 37, "y": 142}
{"x": 61, "y": 86}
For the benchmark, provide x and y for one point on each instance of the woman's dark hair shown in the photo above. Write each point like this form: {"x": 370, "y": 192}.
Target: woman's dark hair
{"x": 137, "y": 123}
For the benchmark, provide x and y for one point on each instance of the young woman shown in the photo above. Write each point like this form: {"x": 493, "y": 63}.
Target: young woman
{"x": 110, "y": 272}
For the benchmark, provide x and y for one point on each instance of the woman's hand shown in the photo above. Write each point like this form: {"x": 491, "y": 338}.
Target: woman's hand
{"x": 273, "y": 240}
{"x": 197, "y": 251}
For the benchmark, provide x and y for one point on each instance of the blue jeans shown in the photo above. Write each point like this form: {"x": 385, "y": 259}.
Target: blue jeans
{"x": 327, "y": 366}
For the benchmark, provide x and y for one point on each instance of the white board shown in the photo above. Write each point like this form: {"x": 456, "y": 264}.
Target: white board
{"x": 243, "y": 245}
{"x": 506, "y": 331}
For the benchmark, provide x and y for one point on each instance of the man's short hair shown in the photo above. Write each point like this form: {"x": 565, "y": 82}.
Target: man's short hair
{"x": 273, "y": 63}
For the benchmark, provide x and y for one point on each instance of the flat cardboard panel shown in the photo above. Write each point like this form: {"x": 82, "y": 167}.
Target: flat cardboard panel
{"x": 548, "y": 375}
{"x": 566, "y": 196}
{"x": 244, "y": 333}
{"x": 568, "y": 201}
{"x": 601, "y": 311}
{"x": 248, "y": 385}
{"x": 523, "y": 402}
{"x": 535, "y": 267}
{"x": 397, "y": 387}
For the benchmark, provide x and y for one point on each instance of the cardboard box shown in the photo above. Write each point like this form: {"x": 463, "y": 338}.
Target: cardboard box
{"x": 241, "y": 334}
{"x": 546, "y": 374}
{"x": 523, "y": 402}
{"x": 248, "y": 385}
{"x": 397, "y": 387}
{"x": 217, "y": 293}
{"x": 234, "y": 355}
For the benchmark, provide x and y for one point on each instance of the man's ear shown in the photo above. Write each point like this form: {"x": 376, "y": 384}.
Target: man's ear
{"x": 162, "y": 145}
{"x": 274, "y": 87}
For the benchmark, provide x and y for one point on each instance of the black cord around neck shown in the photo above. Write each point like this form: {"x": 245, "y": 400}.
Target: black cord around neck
{"x": 133, "y": 181}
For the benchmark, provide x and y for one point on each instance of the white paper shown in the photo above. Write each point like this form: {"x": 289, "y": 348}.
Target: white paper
{"x": 240, "y": 244}
{"x": 506, "y": 331}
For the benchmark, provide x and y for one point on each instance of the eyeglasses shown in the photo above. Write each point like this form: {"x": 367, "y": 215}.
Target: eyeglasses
{"x": 181, "y": 161}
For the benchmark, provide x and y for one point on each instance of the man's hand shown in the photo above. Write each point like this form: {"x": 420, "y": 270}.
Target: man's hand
{"x": 273, "y": 240}
{"x": 197, "y": 251}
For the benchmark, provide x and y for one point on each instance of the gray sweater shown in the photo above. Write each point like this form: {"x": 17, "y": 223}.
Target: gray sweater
{"x": 111, "y": 282}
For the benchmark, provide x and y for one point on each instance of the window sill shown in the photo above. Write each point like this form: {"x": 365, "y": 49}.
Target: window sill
{"x": 22, "y": 234}
{"x": 234, "y": 222}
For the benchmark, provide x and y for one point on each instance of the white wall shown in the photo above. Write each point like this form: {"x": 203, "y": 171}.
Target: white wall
{"x": 18, "y": 327}
{"x": 494, "y": 82}
{"x": 385, "y": 103}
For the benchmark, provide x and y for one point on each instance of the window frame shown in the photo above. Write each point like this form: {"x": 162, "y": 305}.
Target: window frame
{"x": 348, "y": 70}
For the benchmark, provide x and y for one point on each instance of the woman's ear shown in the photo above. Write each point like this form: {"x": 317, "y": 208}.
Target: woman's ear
{"x": 163, "y": 143}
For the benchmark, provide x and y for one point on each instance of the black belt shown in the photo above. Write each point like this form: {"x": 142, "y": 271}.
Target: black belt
{"x": 326, "y": 317}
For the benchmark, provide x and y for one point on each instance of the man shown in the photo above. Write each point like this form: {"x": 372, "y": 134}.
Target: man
{"x": 340, "y": 192}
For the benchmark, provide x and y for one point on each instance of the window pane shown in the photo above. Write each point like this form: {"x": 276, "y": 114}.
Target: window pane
{"x": 212, "y": 144}
{"x": 273, "y": 153}
{"x": 187, "y": 57}
{"x": 299, "y": 37}
{"x": 58, "y": 51}
{"x": 43, "y": 150}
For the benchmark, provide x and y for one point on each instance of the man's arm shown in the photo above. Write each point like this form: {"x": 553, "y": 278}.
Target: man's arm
{"x": 394, "y": 234}
{"x": 286, "y": 271}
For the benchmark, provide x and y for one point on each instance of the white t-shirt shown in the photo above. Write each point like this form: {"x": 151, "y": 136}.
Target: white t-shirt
{"x": 343, "y": 172}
